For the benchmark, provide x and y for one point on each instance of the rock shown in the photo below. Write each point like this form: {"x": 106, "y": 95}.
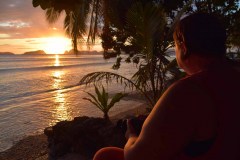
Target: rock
{"x": 83, "y": 136}
{"x": 48, "y": 131}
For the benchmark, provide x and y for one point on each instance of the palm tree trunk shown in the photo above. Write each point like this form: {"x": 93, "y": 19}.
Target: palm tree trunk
{"x": 106, "y": 19}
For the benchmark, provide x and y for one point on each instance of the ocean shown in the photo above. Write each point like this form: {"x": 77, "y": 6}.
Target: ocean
{"x": 37, "y": 91}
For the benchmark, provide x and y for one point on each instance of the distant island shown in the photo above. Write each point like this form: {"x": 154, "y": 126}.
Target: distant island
{"x": 38, "y": 52}
{"x": 85, "y": 52}
{"x": 6, "y": 53}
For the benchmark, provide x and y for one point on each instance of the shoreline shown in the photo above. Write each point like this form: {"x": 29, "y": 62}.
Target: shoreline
{"x": 35, "y": 147}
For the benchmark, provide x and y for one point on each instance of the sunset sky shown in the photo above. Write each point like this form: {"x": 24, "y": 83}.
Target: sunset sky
{"x": 24, "y": 28}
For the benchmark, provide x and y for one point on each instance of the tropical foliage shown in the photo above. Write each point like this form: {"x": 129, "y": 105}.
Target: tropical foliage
{"x": 228, "y": 11}
{"x": 108, "y": 13}
{"x": 147, "y": 36}
{"x": 142, "y": 29}
{"x": 101, "y": 100}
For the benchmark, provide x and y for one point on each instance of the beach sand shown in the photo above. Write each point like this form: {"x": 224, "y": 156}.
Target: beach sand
{"x": 29, "y": 148}
{"x": 36, "y": 147}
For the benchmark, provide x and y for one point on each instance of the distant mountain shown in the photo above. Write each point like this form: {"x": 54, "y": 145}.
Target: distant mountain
{"x": 38, "y": 52}
{"x": 6, "y": 53}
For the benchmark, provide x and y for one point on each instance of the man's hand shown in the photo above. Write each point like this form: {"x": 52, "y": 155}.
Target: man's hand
{"x": 130, "y": 130}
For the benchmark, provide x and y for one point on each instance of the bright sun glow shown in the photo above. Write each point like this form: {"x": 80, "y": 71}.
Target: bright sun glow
{"x": 57, "y": 45}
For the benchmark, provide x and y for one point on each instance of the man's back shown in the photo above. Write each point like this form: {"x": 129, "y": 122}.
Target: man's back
{"x": 222, "y": 85}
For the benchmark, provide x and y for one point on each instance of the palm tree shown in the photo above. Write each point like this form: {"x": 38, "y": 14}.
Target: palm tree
{"x": 78, "y": 15}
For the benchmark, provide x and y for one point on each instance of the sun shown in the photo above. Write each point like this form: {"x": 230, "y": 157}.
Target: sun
{"x": 56, "y": 45}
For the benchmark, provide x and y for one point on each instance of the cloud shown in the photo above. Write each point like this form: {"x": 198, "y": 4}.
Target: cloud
{"x": 5, "y": 45}
{"x": 4, "y": 35}
{"x": 19, "y": 19}
{"x": 14, "y": 24}
{"x": 33, "y": 41}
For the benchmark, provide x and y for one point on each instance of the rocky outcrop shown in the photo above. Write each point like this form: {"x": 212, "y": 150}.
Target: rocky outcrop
{"x": 83, "y": 136}
{"x": 6, "y": 53}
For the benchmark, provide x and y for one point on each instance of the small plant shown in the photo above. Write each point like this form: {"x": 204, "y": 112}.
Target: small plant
{"x": 101, "y": 100}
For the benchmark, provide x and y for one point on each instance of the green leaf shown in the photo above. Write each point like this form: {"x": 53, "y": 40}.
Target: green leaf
{"x": 104, "y": 97}
{"x": 36, "y": 3}
{"x": 45, "y": 4}
{"x": 95, "y": 100}
{"x": 96, "y": 104}
{"x": 100, "y": 96}
{"x": 116, "y": 98}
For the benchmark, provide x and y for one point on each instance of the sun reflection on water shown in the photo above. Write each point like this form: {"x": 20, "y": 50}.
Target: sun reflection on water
{"x": 60, "y": 110}
{"x": 57, "y": 62}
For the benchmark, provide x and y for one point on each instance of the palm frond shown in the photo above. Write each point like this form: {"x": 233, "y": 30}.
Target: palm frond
{"x": 146, "y": 24}
{"x": 42, "y": 3}
{"x": 141, "y": 77}
{"x": 94, "y": 101}
{"x": 75, "y": 23}
{"x": 104, "y": 97}
{"x": 178, "y": 17}
{"x": 98, "y": 77}
{"x": 100, "y": 97}
{"x": 96, "y": 13}
{"x": 116, "y": 98}
{"x": 52, "y": 15}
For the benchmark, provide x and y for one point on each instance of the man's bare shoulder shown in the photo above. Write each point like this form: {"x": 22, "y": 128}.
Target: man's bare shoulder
{"x": 187, "y": 95}
{"x": 184, "y": 86}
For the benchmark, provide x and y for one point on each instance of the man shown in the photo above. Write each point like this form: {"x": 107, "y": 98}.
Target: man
{"x": 198, "y": 116}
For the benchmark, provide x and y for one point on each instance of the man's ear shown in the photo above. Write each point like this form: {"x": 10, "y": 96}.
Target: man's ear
{"x": 184, "y": 49}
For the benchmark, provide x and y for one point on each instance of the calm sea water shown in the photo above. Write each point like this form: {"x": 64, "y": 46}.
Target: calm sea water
{"x": 39, "y": 91}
